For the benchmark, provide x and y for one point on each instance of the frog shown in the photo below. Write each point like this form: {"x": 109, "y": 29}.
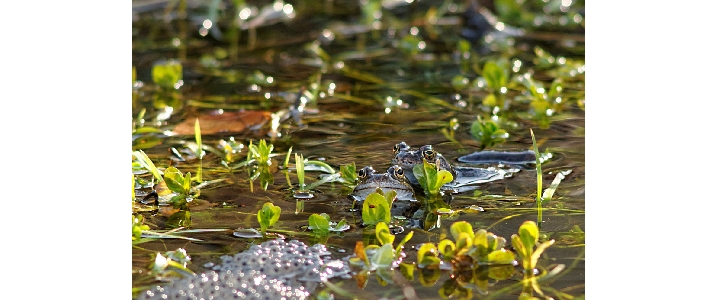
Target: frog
{"x": 392, "y": 179}
{"x": 407, "y": 159}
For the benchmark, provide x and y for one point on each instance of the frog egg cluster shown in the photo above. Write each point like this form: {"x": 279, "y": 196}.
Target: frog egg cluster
{"x": 272, "y": 270}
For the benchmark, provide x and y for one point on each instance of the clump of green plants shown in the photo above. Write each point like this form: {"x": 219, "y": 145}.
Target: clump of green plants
{"x": 487, "y": 132}
{"x": 381, "y": 259}
{"x": 475, "y": 257}
{"x": 321, "y": 225}
{"x": 261, "y": 153}
{"x": 496, "y": 73}
{"x": 167, "y": 74}
{"x": 525, "y": 245}
{"x": 268, "y": 216}
{"x": 138, "y": 226}
{"x": 376, "y": 207}
{"x": 431, "y": 178}
{"x": 180, "y": 184}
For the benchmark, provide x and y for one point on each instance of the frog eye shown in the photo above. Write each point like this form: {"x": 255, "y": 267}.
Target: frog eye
{"x": 362, "y": 173}
{"x": 399, "y": 172}
{"x": 429, "y": 155}
{"x": 396, "y": 148}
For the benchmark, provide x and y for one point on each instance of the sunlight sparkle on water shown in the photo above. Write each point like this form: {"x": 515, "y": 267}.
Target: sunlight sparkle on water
{"x": 176, "y": 42}
{"x": 500, "y": 26}
{"x": 207, "y": 24}
{"x": 414, "y": 30}
{"x": 267, "y": 95}
{"x": 422, "y": 45}
{"x": 245, "y": 13}
{"x": 288, "y": 9}
{"x": 504, "y": 90}
{"x": 270, "y": 79}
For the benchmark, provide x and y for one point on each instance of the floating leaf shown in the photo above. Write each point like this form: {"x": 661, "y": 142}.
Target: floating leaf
{"x": 226, "y": 122}
{"x": 268, "y": 215}
{"x": 319, "y": 224}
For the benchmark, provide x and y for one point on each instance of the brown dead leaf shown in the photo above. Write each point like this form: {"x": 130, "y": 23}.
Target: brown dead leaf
{"x": 230, "y": 122}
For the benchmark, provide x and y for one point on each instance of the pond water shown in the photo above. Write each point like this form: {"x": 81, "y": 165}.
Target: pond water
{"x": 373, "y": 76}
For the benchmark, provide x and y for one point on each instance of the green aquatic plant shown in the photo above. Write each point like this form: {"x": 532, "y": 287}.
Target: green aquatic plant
{"x": 199, "y": 152}
{"x": 299, "y": 163}
{"x": 167, "y": 74}
{"x": 525, "y": 245}
{"x": 383, "y": 256}
{"x": 268, "y": 216}
{"x": 431, "y": 178}
{"x": 376, "y": 207}
{"x": 179, "y": 183}
{"x": 349, "y": 173}
{"x": 138, "y": 226}
{"x": 480, "y": 247}
{"x": 321, "y": 225}
{"x": 261, "y": 153}
{"x": 286, "y": 158}
{"x": 539, "y": 180}
{"x": 147, "y": 164}
{"x": 487, "y": 132}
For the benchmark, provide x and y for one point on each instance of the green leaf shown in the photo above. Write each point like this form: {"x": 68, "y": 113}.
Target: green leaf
{"x": 529, "y": 233}
{"x": 268, "y": 215}
{"x": 187, "y": 184}
{"x": 319, "y": 224}
{"x": 496, "y": 76}
{"x": 174, "y": 180}
{"x": 349, "y": 173}
{"x": 146, "y": 162}
{"x": 383, "y": 235}
{"x": 403, "y": 242}
{"x": 461, "y": 226}
{"x": 198, "y": 138}
{"x": 375, "y": 209}
{"x": 501, "y": 256}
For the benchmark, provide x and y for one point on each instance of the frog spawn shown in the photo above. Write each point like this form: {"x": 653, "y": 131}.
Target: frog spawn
{"x": 272, "y": 270}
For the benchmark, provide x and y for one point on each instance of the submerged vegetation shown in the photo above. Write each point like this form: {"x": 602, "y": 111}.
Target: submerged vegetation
{"x": 333, "y": 86}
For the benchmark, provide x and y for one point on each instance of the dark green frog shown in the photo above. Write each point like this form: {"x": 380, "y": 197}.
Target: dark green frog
{"x": 392, "y": 179}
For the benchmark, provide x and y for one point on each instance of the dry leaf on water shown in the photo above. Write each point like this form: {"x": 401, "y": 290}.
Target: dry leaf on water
{"x": 230, "y": 122}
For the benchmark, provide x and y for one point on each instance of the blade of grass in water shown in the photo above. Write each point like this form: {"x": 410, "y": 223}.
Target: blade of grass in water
{"x": 147, "y": 163}
{"x": 198, "y": 139}
{"x": 286, "y": 159}
{"x": 299, "y": 162}
{"x": 548, "y": 193}
{"x": 538, "y": 180}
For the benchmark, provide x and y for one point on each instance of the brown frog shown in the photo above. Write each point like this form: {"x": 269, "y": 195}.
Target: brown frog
{"x": 407, "y": 159}
{"x": 392, "y": 179}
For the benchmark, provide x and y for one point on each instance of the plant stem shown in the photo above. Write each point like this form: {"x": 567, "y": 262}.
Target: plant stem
{"x": 539, "y": 177}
